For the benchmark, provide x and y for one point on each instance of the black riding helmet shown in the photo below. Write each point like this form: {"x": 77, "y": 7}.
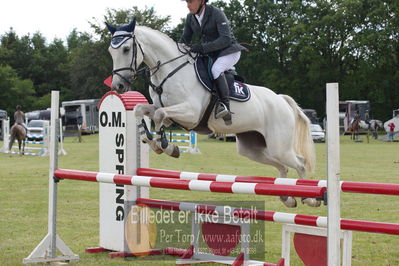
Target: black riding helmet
{"x": 200, "y": 7}
{"x": 18, "y": 107}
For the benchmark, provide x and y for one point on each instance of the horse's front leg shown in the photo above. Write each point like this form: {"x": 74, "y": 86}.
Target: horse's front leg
{"x": 162, "y": 119}
{"x": 142, "y": 110}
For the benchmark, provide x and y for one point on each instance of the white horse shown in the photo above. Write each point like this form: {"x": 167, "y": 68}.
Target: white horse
{"x": 270, "y": 128}
{"x": 374, "y": 125}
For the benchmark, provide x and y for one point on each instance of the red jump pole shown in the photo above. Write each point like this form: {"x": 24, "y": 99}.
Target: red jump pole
{"x": 270, "y": 216}
{"x": 195, "y": 185}
{"x": 346, "y": 186}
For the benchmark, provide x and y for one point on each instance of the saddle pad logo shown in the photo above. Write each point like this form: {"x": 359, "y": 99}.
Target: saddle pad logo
{"x": 239, "y": 91}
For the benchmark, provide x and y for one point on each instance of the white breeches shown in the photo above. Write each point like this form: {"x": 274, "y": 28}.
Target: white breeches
{"x": 225, "y": 63}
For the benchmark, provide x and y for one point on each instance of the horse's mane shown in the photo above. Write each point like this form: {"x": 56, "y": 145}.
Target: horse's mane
{"x": 163, "y": 35}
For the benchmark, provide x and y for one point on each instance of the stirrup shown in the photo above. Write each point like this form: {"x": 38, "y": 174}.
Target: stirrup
{"x": 221, "y": 111}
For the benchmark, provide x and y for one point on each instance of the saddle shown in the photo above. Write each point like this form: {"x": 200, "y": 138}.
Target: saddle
{"x": 239, "y": 91}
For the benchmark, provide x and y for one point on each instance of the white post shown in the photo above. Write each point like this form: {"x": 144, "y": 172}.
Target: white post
{"x": 6, "y": 135}
{"x": 286, "y": 246}
{"x": 121, "y": 152}
{"x": 46, "y": 141}
{"x": 194, "y": 142}
{"x": 61, "y": 151}
{"x": 47, "y": 248}
{"x": 333, "y": 175}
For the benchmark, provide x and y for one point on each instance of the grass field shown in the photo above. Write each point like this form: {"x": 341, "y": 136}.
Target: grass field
{"x": 24, "y": 188}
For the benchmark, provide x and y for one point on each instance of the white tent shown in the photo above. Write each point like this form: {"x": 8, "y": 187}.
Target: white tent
{"x": 394, "y": 120}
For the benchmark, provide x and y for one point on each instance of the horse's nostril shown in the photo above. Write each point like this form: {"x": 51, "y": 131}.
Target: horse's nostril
{"x": 120, "y": 87}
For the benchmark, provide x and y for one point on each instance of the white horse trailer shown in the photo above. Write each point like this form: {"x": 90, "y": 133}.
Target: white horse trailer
{"x": 349, "y": 109}
{"x": 82, "y": 113}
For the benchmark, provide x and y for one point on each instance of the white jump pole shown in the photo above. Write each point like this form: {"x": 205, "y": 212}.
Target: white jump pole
{"x": 333, "y": 175}
{"x": 46, "y": 251}
{"x": 61, "y": 151}
{"x": 6, "y": 135}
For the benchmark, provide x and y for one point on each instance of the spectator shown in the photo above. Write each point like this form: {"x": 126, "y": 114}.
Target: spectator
{"x": 391, "y": 131}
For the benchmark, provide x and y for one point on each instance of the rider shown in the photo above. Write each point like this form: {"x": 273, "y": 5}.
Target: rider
{"x": 19, "y": 117}
{"x": 210, "y": 25}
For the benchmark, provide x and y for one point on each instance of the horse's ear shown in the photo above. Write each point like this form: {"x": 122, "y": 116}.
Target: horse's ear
{"x": 131, "y": 26}
{"x": 112, "y": 29}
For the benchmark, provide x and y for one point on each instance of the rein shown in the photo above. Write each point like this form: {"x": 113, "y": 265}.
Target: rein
{"x": 146, "y": 71}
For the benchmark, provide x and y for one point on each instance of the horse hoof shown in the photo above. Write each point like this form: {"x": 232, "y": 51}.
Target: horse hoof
{"x": 288, "y": 201}
{"x": 155, "y": 147}
{"x": 173, "y": 151}
{"x": 176, "y": 152}
{"x": 311, "y": 202}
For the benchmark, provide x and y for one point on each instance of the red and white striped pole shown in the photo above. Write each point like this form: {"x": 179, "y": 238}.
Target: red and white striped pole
{"x": 270, "y": 216}
{"x": 345, "y": 186}
{"x": 194, "y": 185}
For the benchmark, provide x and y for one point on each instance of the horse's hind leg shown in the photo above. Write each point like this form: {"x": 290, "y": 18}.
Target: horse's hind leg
{"x": 298, "y": 163}
{"x": 19, "y": 147}
{"x": 252, "y": 146}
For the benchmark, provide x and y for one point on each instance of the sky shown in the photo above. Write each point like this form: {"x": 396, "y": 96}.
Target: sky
{"x": 56, "y": 19}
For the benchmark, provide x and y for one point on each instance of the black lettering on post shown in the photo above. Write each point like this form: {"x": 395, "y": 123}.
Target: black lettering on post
{"x": 103, "y": 119}
{"x": 119, "y": 153}
{"x": 119, "y": 140}
{"x": 120, "y": 169}
{"x": 120, "y": 213}
{"x": 120, "y": 192}
{"x": 116, "y": 119}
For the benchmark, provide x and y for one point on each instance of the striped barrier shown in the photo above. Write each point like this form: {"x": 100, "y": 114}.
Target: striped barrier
{"x": 35, "y": 136}
{"x": 25, "y": 153}
{"x": 346, "y": 186}
{"x": 34, "y": 142}
{"x": 194, "y": 185}
{"x": 190, "y": 139}
{"x": 271, "y": 216}
{"x": 40, "y": 151}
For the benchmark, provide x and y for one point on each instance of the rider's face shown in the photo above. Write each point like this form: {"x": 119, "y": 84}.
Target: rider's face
{"x": 193, "y": 5}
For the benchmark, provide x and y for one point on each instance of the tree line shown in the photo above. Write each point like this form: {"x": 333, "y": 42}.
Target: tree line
{"x": 295, "y": 48}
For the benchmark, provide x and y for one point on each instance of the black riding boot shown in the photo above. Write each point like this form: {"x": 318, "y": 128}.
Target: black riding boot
{"x": 223, "y": 107}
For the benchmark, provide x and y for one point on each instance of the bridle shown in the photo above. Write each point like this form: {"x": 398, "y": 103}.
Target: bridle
{"x": 133, "y": 62}
{"x": 146, "y": 71}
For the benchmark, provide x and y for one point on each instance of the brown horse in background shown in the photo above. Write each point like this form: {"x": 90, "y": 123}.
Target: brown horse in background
{"x": 354, "y": 128}
{"x": 18, "y": 132}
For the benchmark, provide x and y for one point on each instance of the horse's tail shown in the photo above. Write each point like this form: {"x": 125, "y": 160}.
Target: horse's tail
{"x": 12, "y": 138}
{"x": 303, "y": 142}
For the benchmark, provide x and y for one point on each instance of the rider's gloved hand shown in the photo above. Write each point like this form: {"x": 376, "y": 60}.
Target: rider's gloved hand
{"x": 197, "y": 48}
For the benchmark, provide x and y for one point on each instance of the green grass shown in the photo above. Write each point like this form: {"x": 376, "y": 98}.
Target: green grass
{"x": 24, "y": 196}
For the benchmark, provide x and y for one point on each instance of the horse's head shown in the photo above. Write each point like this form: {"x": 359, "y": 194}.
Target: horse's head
{"x": 126, "y": 54}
